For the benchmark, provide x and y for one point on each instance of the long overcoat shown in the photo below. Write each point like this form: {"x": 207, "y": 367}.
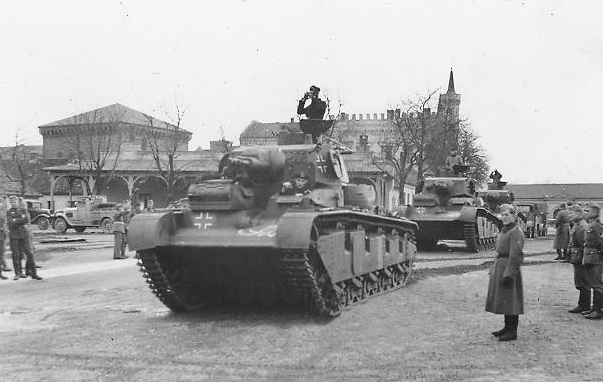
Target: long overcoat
{"x": 502, "y": 299}
{"x": 562, "y": 235}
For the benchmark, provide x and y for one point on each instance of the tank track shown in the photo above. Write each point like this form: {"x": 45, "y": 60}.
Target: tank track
{"x": 158, "y": 282}
{"x": 478, "y": 240}
{"x": 307, "y": 274}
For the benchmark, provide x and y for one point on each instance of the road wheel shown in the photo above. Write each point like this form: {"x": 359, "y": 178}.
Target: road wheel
{"x": 43, "y": 223}
{"x": 79, "y": 229}
{"x": 60, "y": 225}
{"x": 107, "y": 225}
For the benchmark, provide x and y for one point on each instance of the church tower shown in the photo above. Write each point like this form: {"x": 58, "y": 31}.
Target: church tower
{"x": 448, "y": 112}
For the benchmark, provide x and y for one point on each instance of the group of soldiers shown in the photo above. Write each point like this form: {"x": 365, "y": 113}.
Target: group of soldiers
{"x": 121, "y": 221}
{"x": 579, "y": 241}
{"x": 14, "y": 219}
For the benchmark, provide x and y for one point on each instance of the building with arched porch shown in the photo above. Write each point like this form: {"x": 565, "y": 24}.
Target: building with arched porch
{"x": 114, "y": 151}
{"x": 137, "y": 180}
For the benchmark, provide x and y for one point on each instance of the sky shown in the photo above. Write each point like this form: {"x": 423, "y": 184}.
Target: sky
{"x": 530, "y": 73}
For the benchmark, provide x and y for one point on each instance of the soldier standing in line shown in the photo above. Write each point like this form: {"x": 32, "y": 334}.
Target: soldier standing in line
{"x": 20, "y": 240}
{"x": 562, "y": 235}
{"x": 577, "y": 252}
{"x": 505, "y": 289}
{"x": 594, "y": 272}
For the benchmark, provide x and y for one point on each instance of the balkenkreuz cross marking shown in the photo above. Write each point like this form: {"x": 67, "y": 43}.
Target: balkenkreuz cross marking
{"x": 320, "y": 164}
{"x": 204, "y": 220}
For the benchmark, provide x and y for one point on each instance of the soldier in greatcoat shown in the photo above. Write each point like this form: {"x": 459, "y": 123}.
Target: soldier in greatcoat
{"x": 505, "y": 289}
{"x": 562, "y": 235}
{"x": 577, "y": 253}
{"x": 593, "y": 240}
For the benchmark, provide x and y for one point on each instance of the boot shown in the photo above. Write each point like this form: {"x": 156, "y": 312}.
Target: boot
{"x": 510, "y": 335}
{"x": 596, "y": 314}
{"x": 583, "y": 302}
{"x": 2, "y": 277}
{"x": 566, "y": 258}
{"x": 500, "y": 332}
{"x": 559, "y": 256}
{"x": 33, "y": 272}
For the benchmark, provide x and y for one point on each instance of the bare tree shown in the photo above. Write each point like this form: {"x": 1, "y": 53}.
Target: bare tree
{"x": 19, "y": 163}
{"x": 473, "y": 154}
{"x": 406, "y": 145}
{"x": 95, "y": 143}
{"x": 165, "y": 142}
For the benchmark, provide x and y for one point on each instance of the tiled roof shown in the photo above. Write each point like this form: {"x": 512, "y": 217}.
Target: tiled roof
{"x": 258, "y": 130}
{"x": 9, "y": 187}
{"x": 116, "y": 111}
{"x": 558, "y": 190}
{"x": 206, "y": 162}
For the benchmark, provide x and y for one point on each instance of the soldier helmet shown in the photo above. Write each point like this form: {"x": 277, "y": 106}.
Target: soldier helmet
{"x": 315, "y": 89}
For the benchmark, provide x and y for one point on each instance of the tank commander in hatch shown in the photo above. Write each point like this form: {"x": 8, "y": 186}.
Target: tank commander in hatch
{"x": 453, "y": 160}
{"x": 317, "y": 107}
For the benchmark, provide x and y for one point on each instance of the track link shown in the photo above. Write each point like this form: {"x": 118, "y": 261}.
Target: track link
{"x": 307, "y": 274}
{"x": 158, "y": 281}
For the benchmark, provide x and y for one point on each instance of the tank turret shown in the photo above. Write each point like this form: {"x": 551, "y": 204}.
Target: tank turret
{"x": 281, "y": 225}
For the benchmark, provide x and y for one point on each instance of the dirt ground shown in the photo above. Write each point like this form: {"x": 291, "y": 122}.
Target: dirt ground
{"x": 101, "y": 323}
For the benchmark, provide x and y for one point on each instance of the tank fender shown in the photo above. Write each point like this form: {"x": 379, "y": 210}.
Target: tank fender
{"x": 294, "y": 229}
{"x": 149, "y": 230}
{"x": 468, "y": 214}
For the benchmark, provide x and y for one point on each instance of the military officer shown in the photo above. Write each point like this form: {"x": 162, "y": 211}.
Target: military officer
{"x": 317, "y": 107}
{"x": 505, "y": 289}
{"x": 593, "y": 240}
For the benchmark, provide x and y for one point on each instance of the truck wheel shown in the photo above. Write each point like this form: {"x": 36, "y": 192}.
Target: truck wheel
{"x": 43, "y": 223}
{"x": 79, "y": 229}
{"x": 60, "y": 225}
{"x": 107, "y": 225}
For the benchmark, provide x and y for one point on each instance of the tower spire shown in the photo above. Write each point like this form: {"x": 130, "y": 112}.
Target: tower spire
{"x": 451, "y": 83}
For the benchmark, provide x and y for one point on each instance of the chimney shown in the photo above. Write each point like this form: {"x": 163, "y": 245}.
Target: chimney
{"x": 353, "y": 117}
{"x": 390, "y": 114}
{"x": 343, "y": 117}
{"x": 368, "y": 117}
{"x": 375, "y": 116}
{"x": 292, "y": 119}
{"x": 382, "y": 116}
{"x": 397, "y": 113}
{"x": 360, "y": 117}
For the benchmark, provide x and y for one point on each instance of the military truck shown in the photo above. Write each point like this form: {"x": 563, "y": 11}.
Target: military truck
{"x": 89, "y": 211}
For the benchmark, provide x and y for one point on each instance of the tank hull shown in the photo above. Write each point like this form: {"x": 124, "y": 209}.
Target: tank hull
{"x": 326, "y": 260}
{"x": 474, "y": 225}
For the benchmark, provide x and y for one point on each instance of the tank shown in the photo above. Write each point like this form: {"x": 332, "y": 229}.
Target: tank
{"x": 493, "y": 198}
{"x": 282, "y": 225}
{"x": 447, "y": 209}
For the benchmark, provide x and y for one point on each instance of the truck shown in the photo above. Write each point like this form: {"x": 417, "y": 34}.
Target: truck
{"x": 42, "y": 217}
{"x": 89, "y": 211}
